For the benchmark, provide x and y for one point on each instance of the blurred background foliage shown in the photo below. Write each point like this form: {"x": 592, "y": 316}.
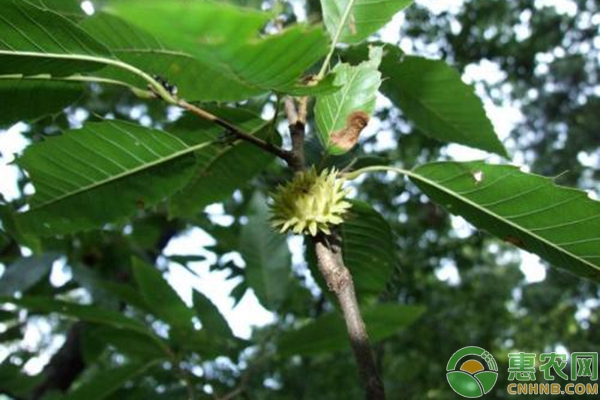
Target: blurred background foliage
{"x": 539, "y": 58}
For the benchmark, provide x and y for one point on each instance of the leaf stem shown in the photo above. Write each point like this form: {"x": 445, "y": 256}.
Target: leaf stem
{"x": 156, "y": 86}
{"x": 336, "y": 39}
{"x": 78, "y": 79}
{"x": 158, "y": 89}
{"x": 376, "y": 168}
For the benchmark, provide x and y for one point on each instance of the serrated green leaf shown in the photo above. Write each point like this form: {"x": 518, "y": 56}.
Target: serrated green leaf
{"x": 369, "y": 252}
{"x": 128, "y": 342}
{"x": 36, "y": 41}
{"x": 210, "y": 317}
{"x": 142, "y": 165}
{"x": 200, "y": 24}
{"x": 268, "y": 258}
{"x": 559, "y": 224}
{"x": 69, "y": 8}
{"x": 326, "y": 85}
{"x": 7, "y": 316}
{"x": 433, "y": 96}
{"x": 161, "y": 298}
{"x": 15, "y": 381}
{"x": 102, "y": 384}
{"x": 38, "y": 304}
{"x": 25, "y": 273}
{"x": 220, "y": 169}
{"x": 228, "y": 39}
{"x": 27, "y": 99}
{"x": 353, "y": 21}
{"x": 11, "y": 334}
{"x": 126, "y": 293}
{"x": 358, "y": 89}
{"x": 5, "y": 241}
{"x": 196, "y": 79}
{"x": 328, "y": 333}
{"x": 8, "y": 217}
{"x": 369, "y": 248}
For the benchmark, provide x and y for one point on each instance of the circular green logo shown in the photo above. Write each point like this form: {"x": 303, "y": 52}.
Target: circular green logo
{"x": 468, "y": 375}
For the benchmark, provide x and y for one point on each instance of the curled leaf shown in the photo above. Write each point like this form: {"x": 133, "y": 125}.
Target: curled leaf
{"x": 347, "y": 137}
{"x": 341, "y": 116}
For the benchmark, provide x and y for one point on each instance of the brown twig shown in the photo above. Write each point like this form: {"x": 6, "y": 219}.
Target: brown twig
{"x": 269, "y": 147}
{"x": 339, "y": 281}
{"x": 303, "y": 109}
{"x": 290, "y": 110}
{"x": 297, "y": 162}
{"x": 338, "y": 277}
{"x": 296, "y": 116}
{"x": 327, "y": 247}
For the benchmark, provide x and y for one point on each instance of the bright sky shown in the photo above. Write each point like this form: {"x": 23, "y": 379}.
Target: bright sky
{"x": 249, "y": 312}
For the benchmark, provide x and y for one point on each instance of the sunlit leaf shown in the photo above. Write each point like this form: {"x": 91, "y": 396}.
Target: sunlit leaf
{"x": 358, "y": 19}
{"x": 37, "y": 41}
{"x": 433, "y": 96}
{"x": 227, "y": 38}
{"x": 195, "y": 79}
{"x": 559, "y": 224}
{"x": 69, "y": 8}
{"x": 342, "y": 115}
{"x": 200, "y": 24}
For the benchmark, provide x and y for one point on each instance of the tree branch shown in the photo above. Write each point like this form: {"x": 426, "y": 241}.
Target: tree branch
{"x": 339, "y": 280}
{"x": 296, "y": 117}
{"x": 328, "y": 248}
{"x": 269, "y": 147}
{"x": 297, "y": 162}
{"x": 338, "y": 277}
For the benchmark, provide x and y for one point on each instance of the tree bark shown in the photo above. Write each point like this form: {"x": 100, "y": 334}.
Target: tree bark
{"x": 339, "y": 281}
{"x": 331, "y": 265}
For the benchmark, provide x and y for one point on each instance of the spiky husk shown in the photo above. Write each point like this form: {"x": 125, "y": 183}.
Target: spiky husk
{"x": 310, "y": 203}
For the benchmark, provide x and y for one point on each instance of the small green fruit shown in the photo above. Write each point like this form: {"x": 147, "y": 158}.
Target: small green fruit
{"x": 310, "y": 203}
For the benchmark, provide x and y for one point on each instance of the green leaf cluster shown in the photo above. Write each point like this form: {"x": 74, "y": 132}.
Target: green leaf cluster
{"x": 117, "y": 186}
